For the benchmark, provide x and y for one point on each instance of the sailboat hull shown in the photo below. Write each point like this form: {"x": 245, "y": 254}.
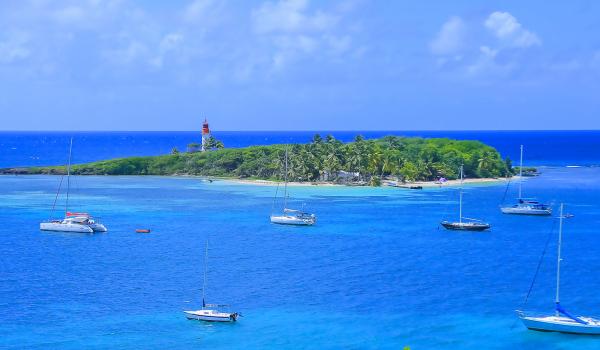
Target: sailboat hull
{"x": 291, "y": 220}
{"x": 210, "y": 316}
{"x": 561, "y": 324}
{"x": 60, "y": 227}
{"x": 515, "y": 210}
{"x": 465, "y": 226}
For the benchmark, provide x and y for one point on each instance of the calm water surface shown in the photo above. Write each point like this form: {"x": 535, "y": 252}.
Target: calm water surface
{"x": 376, "y": 272}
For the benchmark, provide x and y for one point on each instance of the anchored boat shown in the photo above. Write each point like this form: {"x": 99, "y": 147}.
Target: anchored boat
{"x": 291, "y": 216}
{"x": 526, "y": 206}
{"x": 73, "y": 222}
{"x": 562, "y": 320}
{"x": 210, "y": 312}
{"x": 464, "y": 224}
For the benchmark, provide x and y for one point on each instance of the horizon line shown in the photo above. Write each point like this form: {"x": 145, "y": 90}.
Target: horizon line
{"x": 315, "y": 131}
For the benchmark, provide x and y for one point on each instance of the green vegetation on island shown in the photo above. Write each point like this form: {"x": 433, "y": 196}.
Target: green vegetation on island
{"x": 404, "y": 158}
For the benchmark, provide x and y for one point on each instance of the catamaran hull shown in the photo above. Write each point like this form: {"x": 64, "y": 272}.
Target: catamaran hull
{"x": 520, "y": 211}
{"x": 98, "y": 228}
{"x": 545, "y": 325}
{"x": 286, "y": 220}
{"x": 59, "y": 227}
{"x": 210, "y": 318}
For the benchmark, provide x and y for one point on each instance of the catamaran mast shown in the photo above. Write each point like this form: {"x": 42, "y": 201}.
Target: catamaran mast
{"x": 521, "y": 173}
{"x": 204, "y": 279}
{"x": 286, "y": 180}
{"x": 68, "y": 178}
{"x": 558, "y": 258}
{"x": 461, "y": 195}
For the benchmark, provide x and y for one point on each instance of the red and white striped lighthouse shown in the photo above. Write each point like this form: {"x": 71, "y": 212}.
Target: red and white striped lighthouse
{"x": 205, "y": 134}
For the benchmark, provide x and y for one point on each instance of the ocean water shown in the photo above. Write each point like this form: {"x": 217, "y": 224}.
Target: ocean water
{"x": 376, "y": 272}
{"x": 51, "y": 148}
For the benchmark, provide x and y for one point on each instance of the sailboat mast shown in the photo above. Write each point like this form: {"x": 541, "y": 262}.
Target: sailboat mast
{"x": 68, "y": 178}
{"x": 461, "y": 195}
{"x": 560, "y": 228}
{"x": 204, "y": 278}
{"x": 521, "y": 174}
{"x": 286, "y": 180}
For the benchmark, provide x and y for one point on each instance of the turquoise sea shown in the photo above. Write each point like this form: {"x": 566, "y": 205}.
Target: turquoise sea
{"x": 376, "y": 272}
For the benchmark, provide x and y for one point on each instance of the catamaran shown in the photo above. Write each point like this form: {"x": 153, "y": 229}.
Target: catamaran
{"x": 210, "y": 312}
{"x": 526, "y": 206}
{"x": 73, "y": 222}
{"x": 464, "y": 224}
{"x": 291, "y": 216}
{"x": 562, "y": 321}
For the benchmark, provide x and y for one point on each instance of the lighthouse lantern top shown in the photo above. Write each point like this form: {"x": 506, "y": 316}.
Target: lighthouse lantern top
{"x": 205, "y": 129}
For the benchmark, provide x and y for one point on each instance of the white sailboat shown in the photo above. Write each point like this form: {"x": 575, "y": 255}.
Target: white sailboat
{"x": 561, "y": 321}
{"x": 526, "y": 206}
{"x": 291, "y": 216}
{"x": 210, "y": 312}
{"x": 464, "y": 224}
{"x": 73, "y": 222}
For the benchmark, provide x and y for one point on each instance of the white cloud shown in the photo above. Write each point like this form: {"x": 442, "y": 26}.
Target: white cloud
{"x": 103, "y": 39}
{"x": 485, "y": 63}
{"x": 291, "y": 31}
{"x": 14, "y": 48}
{"x": 171, "y": 42}
{"x": 289, "y": 16}
{"x": 69, "y": 14}
{"x": 203, "y": 13}
{"x": 488, "y": 52}
{"x": 450, "y": 39}
{"x": 128, "y": 54}
{"x": 506, "y": 28}
{"x": 498, "y": 59}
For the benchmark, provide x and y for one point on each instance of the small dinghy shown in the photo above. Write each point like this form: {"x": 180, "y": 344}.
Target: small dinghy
{"x": 142, "y": 230}
{"x": 562, "y": 321}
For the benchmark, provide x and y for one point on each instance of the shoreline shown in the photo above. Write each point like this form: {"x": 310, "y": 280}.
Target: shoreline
{"x": 393, "y": 184}
{"x": 260, "y": 182}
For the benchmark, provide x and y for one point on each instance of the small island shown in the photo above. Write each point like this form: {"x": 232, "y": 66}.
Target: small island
{"x": 325, "y": 160}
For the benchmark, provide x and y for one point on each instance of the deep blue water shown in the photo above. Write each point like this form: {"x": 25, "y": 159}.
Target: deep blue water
{"x": 51, "y": 148}
{"x": 376, "y": 272}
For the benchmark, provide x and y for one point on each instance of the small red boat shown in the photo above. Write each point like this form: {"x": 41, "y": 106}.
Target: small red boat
{"x": 142, "y": 230}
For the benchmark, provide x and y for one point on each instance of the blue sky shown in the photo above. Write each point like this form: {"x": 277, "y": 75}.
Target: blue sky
{"x": 299, "y": 65}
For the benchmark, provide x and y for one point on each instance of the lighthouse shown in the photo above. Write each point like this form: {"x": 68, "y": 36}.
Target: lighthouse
{"x": 205, "y": 135}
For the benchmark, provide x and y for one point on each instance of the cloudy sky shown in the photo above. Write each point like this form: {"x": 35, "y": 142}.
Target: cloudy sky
{"x": 299, "y": 65}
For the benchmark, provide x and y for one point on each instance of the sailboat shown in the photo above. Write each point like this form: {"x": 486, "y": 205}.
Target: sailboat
{"x": 562, "y": 320}
{"x": 526, "y": 206}
{"x": 464, "y": 224}
{"x": 73, "y": 221}
{"x": 210, "y": 312}
{"x": 291, "y": 216}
